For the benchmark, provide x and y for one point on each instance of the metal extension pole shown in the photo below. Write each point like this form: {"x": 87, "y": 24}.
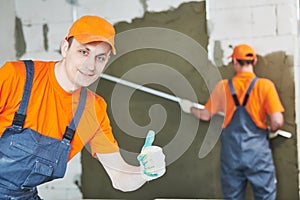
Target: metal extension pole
{"x": 168, "y": 96}
{"x": 146, "y": 89}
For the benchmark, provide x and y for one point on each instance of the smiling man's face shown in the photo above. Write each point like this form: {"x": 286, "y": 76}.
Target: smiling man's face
{"x": 85, "y": 62}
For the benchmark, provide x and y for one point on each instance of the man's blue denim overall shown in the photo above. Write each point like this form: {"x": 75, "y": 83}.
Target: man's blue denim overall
{"x": 27, "y": 158}
{"x": 246, "y": 155}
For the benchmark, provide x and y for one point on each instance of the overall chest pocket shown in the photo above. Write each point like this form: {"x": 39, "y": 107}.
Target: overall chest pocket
{"x": 32, "y": 159}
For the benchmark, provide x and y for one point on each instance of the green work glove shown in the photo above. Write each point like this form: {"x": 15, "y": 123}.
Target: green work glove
{"x": 152, "y": 159}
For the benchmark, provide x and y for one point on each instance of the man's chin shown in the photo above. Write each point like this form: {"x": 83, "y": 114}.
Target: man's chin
{"x": 85, "y": 83}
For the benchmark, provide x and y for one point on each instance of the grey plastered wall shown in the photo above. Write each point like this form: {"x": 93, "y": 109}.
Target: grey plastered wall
{"x": 188, "y": 176}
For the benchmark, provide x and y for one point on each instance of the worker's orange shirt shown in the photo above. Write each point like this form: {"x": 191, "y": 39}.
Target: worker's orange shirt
{"x": 263, "y": 99}
{"x": 51, "y": 108}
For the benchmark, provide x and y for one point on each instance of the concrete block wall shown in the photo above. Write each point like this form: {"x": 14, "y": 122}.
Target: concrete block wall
{"x": 7, "y": 22}
{"x": 35, "y": 15}
{"x": 58, "y": 15}
{"x": 269, "y": 25}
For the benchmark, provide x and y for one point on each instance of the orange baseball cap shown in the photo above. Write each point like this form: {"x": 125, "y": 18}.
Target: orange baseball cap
{"x": 243, "y": 52}
{"x": 92, "y": 29}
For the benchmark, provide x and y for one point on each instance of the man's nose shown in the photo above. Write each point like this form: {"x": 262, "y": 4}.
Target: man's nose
{"x": 90, "y": 64}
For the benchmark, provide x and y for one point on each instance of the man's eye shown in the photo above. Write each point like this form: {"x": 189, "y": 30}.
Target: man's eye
{"x": 101, "y": 58}
{"x": 83, "y": 52}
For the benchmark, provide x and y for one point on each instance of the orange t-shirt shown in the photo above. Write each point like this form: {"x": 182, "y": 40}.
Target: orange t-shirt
{"x": 263, "y": 99}
{"x": 50, "y": 108}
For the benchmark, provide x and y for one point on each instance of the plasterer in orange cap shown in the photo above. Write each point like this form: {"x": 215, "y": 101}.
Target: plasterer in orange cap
{"x": 47, "y": 115}
{"x": 246, "y": 101}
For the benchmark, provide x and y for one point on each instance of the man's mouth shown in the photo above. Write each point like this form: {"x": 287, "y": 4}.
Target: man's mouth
{"x": 86, "y": 73}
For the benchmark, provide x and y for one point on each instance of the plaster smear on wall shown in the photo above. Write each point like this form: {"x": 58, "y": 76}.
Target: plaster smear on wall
{"x": 116, "y": 11}
{"x": 158, "y": 5}
{"x": 188, "y": 176}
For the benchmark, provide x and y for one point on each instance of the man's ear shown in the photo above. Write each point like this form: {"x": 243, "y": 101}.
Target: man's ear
{"x": 64, "y": 48}
{"x": 255, "y": 61}
{"x": 234, "y": 61}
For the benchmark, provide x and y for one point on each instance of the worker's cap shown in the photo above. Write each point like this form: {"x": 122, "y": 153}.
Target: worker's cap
{"x": 93, "y": 29}
{"x": 243, "y": 52}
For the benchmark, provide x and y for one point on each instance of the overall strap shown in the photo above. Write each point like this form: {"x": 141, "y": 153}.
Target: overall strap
{"x": 70, "y": 130}
{"x": 233, "y": 93}
{"x": 20, "y": 115}
{"x": 249, "y": 90}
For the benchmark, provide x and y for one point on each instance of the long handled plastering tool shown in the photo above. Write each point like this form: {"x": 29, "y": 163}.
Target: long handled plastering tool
{"x": 146, "y": 89}
{"x": 169, "y": 97}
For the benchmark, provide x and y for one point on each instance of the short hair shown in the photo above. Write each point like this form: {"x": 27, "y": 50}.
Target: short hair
{"x": 245, "y": 62}
{"x": 70, "y": 41}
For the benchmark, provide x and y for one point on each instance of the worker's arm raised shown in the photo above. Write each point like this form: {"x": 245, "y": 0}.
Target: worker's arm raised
{"x": 199, "y": 112}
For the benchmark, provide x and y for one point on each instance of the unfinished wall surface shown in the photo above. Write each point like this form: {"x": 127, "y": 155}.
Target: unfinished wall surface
{"x": 166, "y": 50}
{"x": 188, "y": 176}
{"x": 145, "y": 59}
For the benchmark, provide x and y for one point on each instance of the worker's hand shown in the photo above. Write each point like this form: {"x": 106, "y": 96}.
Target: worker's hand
{"x": 282, "y": 133}
{"x": 152, "y": 159}
{"x": 186, "y": 105}
{"x": 273, "y": 135}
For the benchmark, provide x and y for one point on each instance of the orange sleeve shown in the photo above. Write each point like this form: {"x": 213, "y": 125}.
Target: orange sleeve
{"x": 272, "y": 101}
{"x": 5, "y": 80}
{"x": 215, "y": 102}
{"x": 9, "y": 80}
{"x": 221, "y": 101}
{"x": 103, "y": 141}
{"x": 12, "y": 76}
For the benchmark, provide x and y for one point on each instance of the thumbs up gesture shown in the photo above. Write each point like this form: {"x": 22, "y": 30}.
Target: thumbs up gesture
{"x": 152, "y": 159}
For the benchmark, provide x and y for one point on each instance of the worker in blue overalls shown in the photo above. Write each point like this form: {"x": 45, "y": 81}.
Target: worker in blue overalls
{"x": 245, "y": 153}
{"x": 48, "y": 115}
